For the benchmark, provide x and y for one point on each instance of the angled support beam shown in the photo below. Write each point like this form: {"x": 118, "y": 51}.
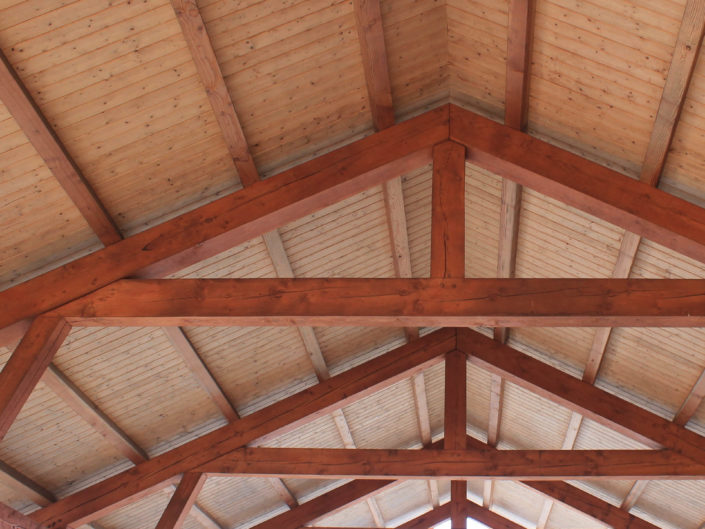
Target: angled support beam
{"x": 89, "y": 412}
{"x": 236, "y": 218}
{"x": 588, "y": 186}
{"x": 455, "y": 426}
{"x": 428, "y": 519}
{"x": 182, "y": 500}
{"x": 394, "y": 302}
{"x": 27, "y": 365}
{"x": 285, "y": 415}
{"x": 685, "y": 55}
{"x": 42, "y": 136}
{"x": 488, "y": 517}
{"x": 692, "y": 402}
{"x": 578, "y": 396}
{"x": 448, "y": 211}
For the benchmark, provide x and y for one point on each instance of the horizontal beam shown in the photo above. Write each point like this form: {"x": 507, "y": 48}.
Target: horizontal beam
{"x": 394, "y": 302}
{"x": 585, "y": 185}
{"x": 284, "y": 416}
{"x": 236, "y": 218}
{"x": 317, "y": 463}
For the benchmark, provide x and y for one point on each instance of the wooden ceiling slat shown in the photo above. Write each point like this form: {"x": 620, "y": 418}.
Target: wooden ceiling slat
{"x": 42, "y": 136}
{"x": 27, "y": 365}
{"x": 17, "y": 481}
{"x": 285, "y": 415}
{"x": 393, "y": 302}
{"x": 182, "y": 500}
{"x": 234, "y": 219}
{"x": 456, "y": 464}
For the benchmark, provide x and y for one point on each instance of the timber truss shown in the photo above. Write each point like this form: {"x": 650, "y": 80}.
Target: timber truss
{"x": 94, "y": 291}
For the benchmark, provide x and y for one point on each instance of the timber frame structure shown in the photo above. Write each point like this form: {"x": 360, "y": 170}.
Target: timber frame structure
{"x": 134, "y": 281}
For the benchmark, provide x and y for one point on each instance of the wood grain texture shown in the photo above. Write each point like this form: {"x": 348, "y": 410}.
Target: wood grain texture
{"x": 585, "y": 185}
{"x": 15, "y": 480}
{"x": 208, "y": 69}
{"x": 88, "y": 411}
{"x": 286, "y": 415}
{"x": 394, "y": 302}
{"x": 342, "y": 463}
{"x": 27, "y": 365}
{"x": 692, "y": 402}
{"x": 428, "y": 519}
{"x": 236, "y": 218}
{"x": 42, "y": 136}
{"x": 519, "y": 37}
{"x": 368, "y": 18}
{"x": 12, "y": 519}
{"x": 455, "y": 428}
{"x": 579, "y": 396}
{"x": 181, "y": 501}
{"x": 448, "y": 211}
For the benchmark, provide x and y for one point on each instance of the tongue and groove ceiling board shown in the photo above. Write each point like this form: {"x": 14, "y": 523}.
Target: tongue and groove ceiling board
{"x": 122, "y": 90}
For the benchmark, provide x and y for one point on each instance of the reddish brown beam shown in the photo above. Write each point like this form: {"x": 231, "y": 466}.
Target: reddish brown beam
{"x": 588, "y": 186}
{"x": 343, "y": 463}
{"x": 42, "y": 136}
{"x": 27, "y": 365}
{"x": 286, "y": 415}
{"x": 428, "y": 519}
{"x": 181, "y": 501}
{"x": 12, "y": 519}
{"x": 394, "y": 302}
{"x": 368, "y": 17}
{"x": 578, "y": 396}
{"x": 519, "y": 39}
{"x": 448, "y": 211}
{"x": 236, "y": 218}
{"x": 455, "y": 428}
{"x": 489, "y": 518}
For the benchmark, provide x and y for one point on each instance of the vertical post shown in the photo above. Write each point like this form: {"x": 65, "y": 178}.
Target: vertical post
{"x": 455, "y": 428}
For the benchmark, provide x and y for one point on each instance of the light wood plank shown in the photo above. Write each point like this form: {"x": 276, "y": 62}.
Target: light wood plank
{"x": 27, "y": 365}
{"x": 182, "y": 500}
{"x": 15, "y": 480}
{"x": 48, "y": 145}
{"x": 692, "y": 402}
{"x": 633, "y": 495}
{"x": 448, "y": 211}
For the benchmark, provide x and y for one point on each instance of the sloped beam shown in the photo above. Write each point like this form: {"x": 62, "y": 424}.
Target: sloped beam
{"x": 394, "y": 302}
{"x": 578, "y": 396}
{"x": 590, "y": 187}
{"x": 181, "y": 501}
{"x": 455, "y": 428}
{"x": 27, "y": 365}
{"x": 236, "y": 218}
{"x": 42, "y": 136}
{"x": 326, "y": 504}
{"x": 428, "y": 519}
{"x": 285, "y": 415}
{"x": 368, "y": 18}
{"x": 488, "y": 517}
{"x": 685, "y": 55}
{"x": 315, "y": 463}
{"x": 12, "y": 519}
{"x": 448, "y": 211}
{"x": 208, "y": 69}
{"x": 89, "y": 412}
{"x": 15, "y": 480}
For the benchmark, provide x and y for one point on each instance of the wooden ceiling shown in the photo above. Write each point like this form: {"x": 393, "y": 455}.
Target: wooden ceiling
{"x": 233, "y": 230}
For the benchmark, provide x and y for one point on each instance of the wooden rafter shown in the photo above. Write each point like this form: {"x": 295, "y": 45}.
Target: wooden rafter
{"x": 42, "y": 136}
{"x": 393, "y": 302}
{"x": 236, "y": 218}
{"x": 15, "y": 480}
{"x": 182, "y": 500}
{"x": 285, "y": 415}
{"x": 27, "y": 365}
